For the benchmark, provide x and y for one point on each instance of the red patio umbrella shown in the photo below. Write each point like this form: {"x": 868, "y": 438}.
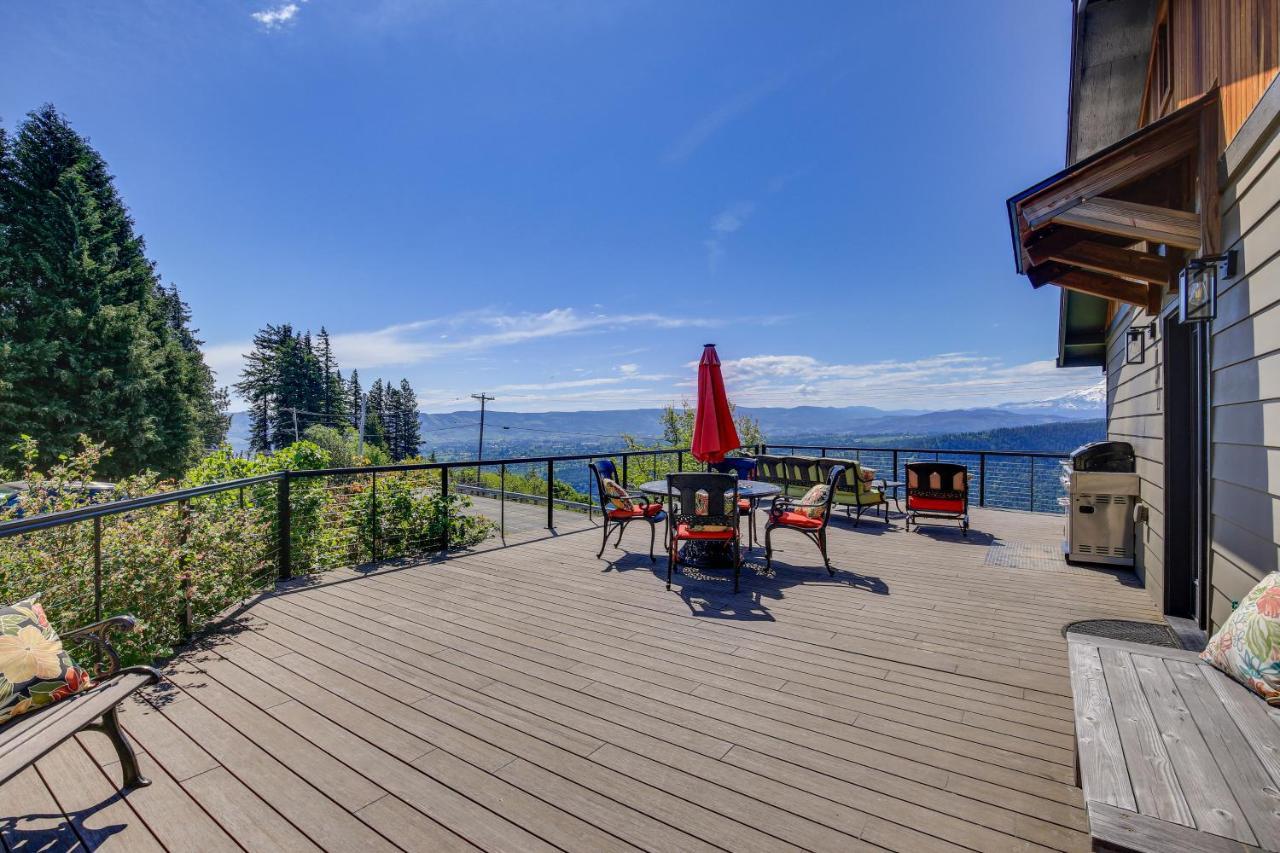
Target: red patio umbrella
{"x": 714, "y": 434}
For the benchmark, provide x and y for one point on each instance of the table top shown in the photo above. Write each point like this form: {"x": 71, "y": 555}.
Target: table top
{"x": 746, "y": 488}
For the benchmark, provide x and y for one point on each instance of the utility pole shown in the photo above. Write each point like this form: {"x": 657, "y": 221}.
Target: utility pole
{"x": 483, "y": 398}
{"x": 364, "y": 404}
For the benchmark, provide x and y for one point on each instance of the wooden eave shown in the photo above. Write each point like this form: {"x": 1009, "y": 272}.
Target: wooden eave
{"x": 1077, "y": 230}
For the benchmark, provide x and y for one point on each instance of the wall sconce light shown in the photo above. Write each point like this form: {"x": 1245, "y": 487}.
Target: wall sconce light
{"x": 1198, "y": 286}
{"x": 1135, "y": 351}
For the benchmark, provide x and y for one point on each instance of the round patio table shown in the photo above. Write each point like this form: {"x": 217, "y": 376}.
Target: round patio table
{"x": 713, "y": 555}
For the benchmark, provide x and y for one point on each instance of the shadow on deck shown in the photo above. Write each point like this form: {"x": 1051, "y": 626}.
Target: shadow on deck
{"x": 532, "y": 697}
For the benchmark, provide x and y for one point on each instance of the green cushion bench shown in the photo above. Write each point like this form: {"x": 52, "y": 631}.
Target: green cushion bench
{"x": 798, "y": 474}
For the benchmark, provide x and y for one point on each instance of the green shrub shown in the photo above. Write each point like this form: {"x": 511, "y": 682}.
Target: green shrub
{"x": 176, "y": 566}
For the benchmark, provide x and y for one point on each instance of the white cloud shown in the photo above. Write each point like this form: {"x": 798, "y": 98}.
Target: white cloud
{"x": 277, "y": 16}
{"x": 724, "y": 223}
{"x": 726, "y": 112}
{"x": 226, "y": 360}
{"x": 947, "y": 380}
{"x": 628, "y": 369}
{"x": 406, "y": 344}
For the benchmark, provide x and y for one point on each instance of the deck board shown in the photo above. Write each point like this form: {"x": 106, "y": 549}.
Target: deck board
{"x": 532, "y": 697}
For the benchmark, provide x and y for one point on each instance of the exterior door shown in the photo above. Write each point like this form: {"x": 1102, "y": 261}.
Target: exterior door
{"x": 1186, "y": 469}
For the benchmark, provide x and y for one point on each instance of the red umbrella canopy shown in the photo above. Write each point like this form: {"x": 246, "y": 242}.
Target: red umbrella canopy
{"x": 714, "y": 434}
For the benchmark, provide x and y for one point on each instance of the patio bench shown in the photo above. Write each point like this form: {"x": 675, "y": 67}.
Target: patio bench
{"x": 1172, "y": 754}
{"x": 29, "y": 737}
{"x": 798, "y": 474}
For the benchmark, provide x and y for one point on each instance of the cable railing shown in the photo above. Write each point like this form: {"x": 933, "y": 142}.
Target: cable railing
{"x": 1003, "y": 479}
{"x": 180, "y": 558}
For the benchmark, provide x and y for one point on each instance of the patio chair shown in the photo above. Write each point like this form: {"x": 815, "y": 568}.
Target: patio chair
{"x": 704, "y": 509}
{"x": 808, "y": 517}
{"x": 938, "y": 490}
{"x": 744, "y": 468}
{"x": 620, "y": 509}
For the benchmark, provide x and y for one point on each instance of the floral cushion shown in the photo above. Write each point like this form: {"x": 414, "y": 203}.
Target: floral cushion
{"x": 34, "y": 670}
{"x": 1247, "y": 646}
{"x": 866, "y": 474}
{"x": 617, "y": 495}
{"x": 817, "y": 496}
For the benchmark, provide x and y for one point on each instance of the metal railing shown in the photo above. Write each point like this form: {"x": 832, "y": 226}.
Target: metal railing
{"x": 1005, "y": 479}
{"x": 299, "y": 521}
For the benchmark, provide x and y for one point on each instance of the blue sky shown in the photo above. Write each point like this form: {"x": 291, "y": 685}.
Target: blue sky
{"x": 559, "y": 203}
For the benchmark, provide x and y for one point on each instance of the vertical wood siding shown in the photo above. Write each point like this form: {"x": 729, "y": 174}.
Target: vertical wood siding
{"x": 1234, "y": 43}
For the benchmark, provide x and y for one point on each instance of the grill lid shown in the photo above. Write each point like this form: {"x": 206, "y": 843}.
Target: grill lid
{"x": 1113, "y": 456}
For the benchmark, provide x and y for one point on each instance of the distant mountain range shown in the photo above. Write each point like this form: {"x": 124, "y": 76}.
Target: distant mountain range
{"x": 453, "y": 433}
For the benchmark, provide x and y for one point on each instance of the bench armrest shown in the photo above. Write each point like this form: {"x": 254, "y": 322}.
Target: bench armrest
{"x": 98, "y": 634}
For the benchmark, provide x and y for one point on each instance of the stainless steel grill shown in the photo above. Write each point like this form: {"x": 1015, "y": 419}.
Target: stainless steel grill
{"x": 1101, "y": 490}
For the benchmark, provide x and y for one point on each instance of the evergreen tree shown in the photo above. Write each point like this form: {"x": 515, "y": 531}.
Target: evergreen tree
{"x": 391, "y": 422}
{"x": 90, "y": 340}
{"x": 355, "y": 398}
{"x": 374, "y": 429}
{"x": 334, "y": 400}
{"x": 410, "y": 428}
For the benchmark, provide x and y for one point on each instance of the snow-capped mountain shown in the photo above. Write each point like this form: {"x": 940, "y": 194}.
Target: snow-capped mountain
{"x": 1088, "y": 402}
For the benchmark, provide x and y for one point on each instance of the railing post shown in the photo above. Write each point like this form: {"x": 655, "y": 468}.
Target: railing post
{"x": 1032, "y": 497}
{"x": 502, "y": 501}
{"x": 679, "y": 460}
{"x": 444, "y": 502}
{"x": 373, "y": 516}
{"x": 822, "y": 452}
{"x": 184, "y": 525}
{"x": 982, "y": 479}
{"x": 283, "y": 530}
{"x": 894, "y": 468}
{"x": 97, "y": 568}
{"x": 551, "y": 506}
{"x": 626, "y": 482}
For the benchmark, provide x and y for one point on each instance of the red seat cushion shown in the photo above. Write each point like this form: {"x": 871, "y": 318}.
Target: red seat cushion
{"x": 683, "y": 532}
{"x": 744, "y": 504}
{"x": 935, "y": 504}
{"x": 797, "y": 519}
{"x": 635, "y": 512}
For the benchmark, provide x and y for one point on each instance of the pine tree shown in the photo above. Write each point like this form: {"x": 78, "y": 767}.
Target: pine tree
{"x": 410, "y": 428}
{"x": 334, "y": 400}
{"x": 355, "y": 398}
{"x": 90, "y": 340}
{"x": 391, "y": 422}
{"x": 374, "y": 429}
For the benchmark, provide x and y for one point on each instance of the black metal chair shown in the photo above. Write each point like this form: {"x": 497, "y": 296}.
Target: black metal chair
{"x": 938, "y": 490}
{"x": 788, "y": 513}
{"x": 744, "y": 468}
{"x": 620, "y": 509}
{"x": 712, "y": 518}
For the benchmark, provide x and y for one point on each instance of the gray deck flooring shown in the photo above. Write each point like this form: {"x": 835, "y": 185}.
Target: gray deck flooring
{"x": 531, "y": 697}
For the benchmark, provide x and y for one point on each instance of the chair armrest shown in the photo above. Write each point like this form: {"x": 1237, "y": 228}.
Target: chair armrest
{"x": 98, "y": 634}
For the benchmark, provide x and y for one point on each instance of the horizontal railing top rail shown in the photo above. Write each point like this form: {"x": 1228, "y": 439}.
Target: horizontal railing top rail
{"x": 98, "y": 510}
{"x": 1040, "y": 454}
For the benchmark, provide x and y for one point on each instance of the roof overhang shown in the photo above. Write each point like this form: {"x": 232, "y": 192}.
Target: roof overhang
{"x": 1113, "y": 227}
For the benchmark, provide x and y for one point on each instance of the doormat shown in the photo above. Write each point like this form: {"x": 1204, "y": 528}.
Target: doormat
{"x": 1146, "y": 633}
{"x": 1023, "y": 555}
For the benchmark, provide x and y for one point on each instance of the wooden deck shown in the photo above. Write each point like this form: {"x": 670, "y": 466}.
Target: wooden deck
{"x": 531, "y": 697}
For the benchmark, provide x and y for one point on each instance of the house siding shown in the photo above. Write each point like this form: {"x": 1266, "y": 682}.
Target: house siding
{"x": 1135, "y": 414}
{"x": 1245, "y": 369}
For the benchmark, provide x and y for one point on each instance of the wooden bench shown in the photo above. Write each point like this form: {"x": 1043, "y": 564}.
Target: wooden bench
{"x": 1173, "y": 754}
{"x": 29, "y": 737}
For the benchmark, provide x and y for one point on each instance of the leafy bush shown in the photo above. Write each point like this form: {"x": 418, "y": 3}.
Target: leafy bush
{"x": 176, "y": 566}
